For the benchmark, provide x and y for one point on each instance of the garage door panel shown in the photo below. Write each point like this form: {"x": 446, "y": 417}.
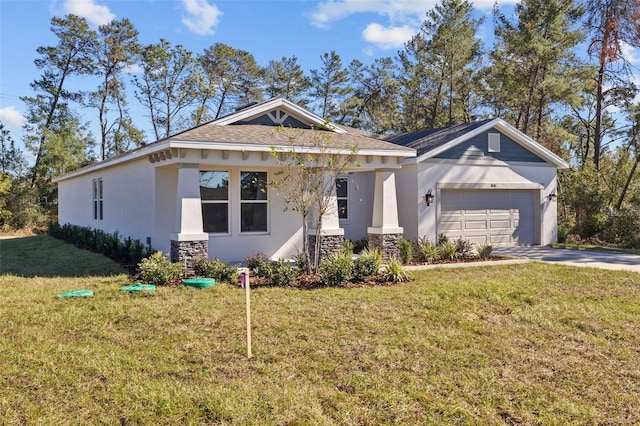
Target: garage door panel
{"x": 475, "y": 224}
{"x": 448, "y": 226}
{"x": 502, "y": 217}
{"x": 501, "y": 224}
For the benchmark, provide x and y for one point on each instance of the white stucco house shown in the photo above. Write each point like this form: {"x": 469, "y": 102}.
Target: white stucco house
{"x": 205, "y": 191}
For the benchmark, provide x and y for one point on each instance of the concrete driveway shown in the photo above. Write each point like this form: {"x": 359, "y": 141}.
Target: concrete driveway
{"x": 594, "y": 259}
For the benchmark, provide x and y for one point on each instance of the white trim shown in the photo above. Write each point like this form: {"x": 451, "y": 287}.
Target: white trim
{"x": 289, "y": 107}
{"x": 488, "y": 185}
{"x": 379, "y": 231}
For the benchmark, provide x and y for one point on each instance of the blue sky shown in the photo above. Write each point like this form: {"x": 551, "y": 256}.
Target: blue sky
{"x": 355, "y": 29}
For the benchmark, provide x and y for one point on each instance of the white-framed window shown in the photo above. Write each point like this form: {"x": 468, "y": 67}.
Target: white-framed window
{"x": 342, "y": 193}
{"x": 214, "y": 194}
{"x": 254, "y": 202}
{"x": 493, "y": 142}
{"x": 98, "y": 209}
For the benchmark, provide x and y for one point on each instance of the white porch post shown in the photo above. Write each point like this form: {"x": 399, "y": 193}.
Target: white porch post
{"x": 188, "y": 241}
{"x": 385, "y": 230}
{"x": 331, "y": 235}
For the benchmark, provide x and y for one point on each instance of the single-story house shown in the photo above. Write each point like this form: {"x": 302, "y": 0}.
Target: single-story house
{"x": 206, "y": 191}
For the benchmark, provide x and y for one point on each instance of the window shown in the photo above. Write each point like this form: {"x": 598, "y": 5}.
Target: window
{"x": 253, "y": 202}
{"x": 493, "y": 142}
{"x": 342, "y": 193}
{"x": 214, "y": 193}
{"x": 97, "y": 199}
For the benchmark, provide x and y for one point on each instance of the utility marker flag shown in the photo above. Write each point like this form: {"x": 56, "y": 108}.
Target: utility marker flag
{"x": 246, "y": 286}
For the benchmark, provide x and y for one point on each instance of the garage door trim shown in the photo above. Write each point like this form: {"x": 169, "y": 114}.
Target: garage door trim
{"x": 536, "y": 189}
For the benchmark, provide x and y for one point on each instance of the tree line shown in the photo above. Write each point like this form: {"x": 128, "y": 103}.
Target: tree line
{"x": 556, "y": 70}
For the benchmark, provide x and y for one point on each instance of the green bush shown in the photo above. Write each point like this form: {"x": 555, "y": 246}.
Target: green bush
{"x": 347, "y": 246}
{"x": 406, "y": 250}
{"x": 125, "y": 252}
{"x": 255, "y": 261}
{"x": 394, "y": 271}
{"x": 563, "y": 233}
{"x": 158, "y": 270}
{"x": 484, "y": 250}
{"x": 447, "y": 250}
{"x": 218, "y": 270}
{"x": 622, "y": 228}
{"x": 367, "y": 264}
{"x": 280, "y": 273}
{"x": 336, "y": 269}
{"x": 427, "y": 252}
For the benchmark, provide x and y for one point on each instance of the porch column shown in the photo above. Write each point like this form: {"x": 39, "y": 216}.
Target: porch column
{"x": 188, "y": 241}
{"x": 385, "y": 231}
{"x": 331, "y": 235}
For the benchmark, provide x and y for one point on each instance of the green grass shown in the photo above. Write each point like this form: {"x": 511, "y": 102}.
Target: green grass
{"x": 594, "y": 248}
{"x": 43, "y": 256}
{"x": 529, "y": 343}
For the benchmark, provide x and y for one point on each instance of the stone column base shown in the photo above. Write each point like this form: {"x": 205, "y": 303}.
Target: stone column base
{"x": 387, "y": 244}
{"x": 186, "y": 252}
{"x": 330, "y": 243}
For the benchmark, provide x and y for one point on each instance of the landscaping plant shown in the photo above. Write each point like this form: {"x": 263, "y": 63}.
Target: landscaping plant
{"x": 217, "y": 269}
{"x": 336, "y": 269}
{"x": 157, "y": 269}
{"x": 394, "y": 271}
{"x": 367, "y": 264}
{"x": 406, "y": 250}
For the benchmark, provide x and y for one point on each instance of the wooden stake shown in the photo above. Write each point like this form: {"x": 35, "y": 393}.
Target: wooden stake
{"x": 245, "y": 279}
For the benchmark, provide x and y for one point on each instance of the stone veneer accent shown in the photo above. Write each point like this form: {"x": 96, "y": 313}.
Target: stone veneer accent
{"x": 186, "y": 252}
{"x": 388, "y": 244}
{"x": 329, "y": 244}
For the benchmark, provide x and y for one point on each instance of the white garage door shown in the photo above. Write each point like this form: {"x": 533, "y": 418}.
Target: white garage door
{"x": 498, "y": 217}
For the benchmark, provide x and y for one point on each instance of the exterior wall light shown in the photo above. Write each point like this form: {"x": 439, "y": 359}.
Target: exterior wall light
{"x": 553, "y": 196}
{"x": 429, "y": 197}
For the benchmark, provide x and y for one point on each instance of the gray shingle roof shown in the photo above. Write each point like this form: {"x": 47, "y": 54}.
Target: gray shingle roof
{"x": 256, "y": 134}
{"x": 425, "y": 140}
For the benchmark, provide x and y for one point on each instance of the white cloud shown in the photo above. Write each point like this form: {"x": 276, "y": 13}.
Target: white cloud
{"x": 94, "y": 13}
{"x": 201, "y": 16}
{"x": 630, "y": 53}
{"x": 387, "y": 37}
{"x": 11, "y": 118}
{"x": 397, "y": 11}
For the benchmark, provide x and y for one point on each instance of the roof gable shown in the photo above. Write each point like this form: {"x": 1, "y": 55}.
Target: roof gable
{"x": 435, "y": 143}
{"x": 276, "y": 112}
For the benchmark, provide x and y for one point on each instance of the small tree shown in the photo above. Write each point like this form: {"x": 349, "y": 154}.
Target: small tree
{"x": 309, "y": 166}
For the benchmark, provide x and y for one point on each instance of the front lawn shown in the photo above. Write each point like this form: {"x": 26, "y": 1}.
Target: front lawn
{"x": 526, "y": 343}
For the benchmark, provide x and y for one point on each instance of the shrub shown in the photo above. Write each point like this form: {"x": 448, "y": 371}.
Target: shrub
{"x": 367, "y": 264}
{"x": 336, "y": 269}
{"x": 484, "y": 251}
{"x": 427, "y": 252}
{"x": 279, "y": 272}
{"x": 126, "y": 252}
{"x": 158, "y": 270}
{"x": 255, "y": 261}
{"x": 406, "y": 250}
{"x": 216, "y": 269}
{"x": 360, "y": 245}
{"x": 447, "y": 250}
{"x": 301, "y": 261}
{"x": 563, "y": 233}
{"x": 442, "y": 239}
{"x": 464, "y": 247}
{"x": 347, "y": 246}
{"x": 394, "y": 272}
